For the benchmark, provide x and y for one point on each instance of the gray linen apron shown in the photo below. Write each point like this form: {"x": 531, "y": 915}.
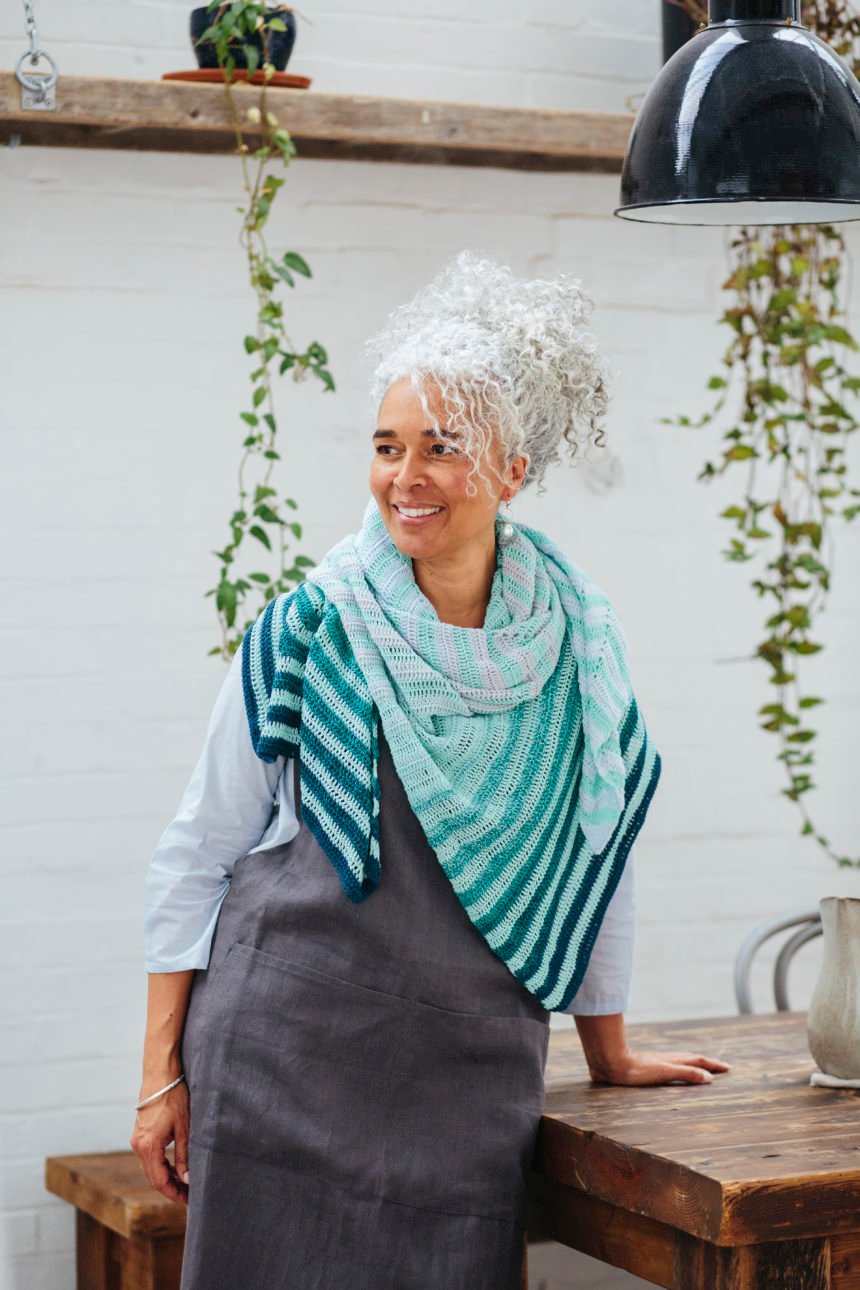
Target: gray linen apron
{"x": 365, "y": 1080}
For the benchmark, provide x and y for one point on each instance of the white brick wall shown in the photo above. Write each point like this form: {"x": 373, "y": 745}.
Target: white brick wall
{"x": 124, "y": 305}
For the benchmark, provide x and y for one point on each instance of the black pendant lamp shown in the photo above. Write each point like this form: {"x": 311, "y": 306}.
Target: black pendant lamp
{"x": 754, "y": 120}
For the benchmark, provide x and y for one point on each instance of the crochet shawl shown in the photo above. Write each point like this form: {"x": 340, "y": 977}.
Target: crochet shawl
{"x": 520, "y": 745}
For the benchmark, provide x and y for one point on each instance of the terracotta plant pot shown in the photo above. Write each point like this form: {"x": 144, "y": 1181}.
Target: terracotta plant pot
{"x": 833, "y": 1018}
{"x": 280, "y": 42}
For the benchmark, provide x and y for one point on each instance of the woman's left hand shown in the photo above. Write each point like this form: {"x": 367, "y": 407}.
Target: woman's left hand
{"x": 636, "y": 1067}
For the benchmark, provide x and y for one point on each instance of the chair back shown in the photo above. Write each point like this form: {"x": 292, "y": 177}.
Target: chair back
{"x": 808, "y": 924}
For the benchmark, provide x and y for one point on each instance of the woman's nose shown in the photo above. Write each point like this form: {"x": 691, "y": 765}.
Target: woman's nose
{"x": 410, "y": 470}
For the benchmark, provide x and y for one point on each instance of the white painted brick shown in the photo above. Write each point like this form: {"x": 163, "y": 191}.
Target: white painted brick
{"x": 97, "y": 22}
{"x": 580, "y": 92}
{"x": 34, "y": 988}
{"x": 42, "y": 1272}
{"x": 94, "y": 264}
{"x": 18, "y": 1232}
{"x": 34, "y": 1086}
{"x": 76, "y": 1129}
{"x": 125, "y": 269}
{"x": 51, "y": 942}
{"x": 441, "y": 84}
{"x": 74, "y": 891}
{"x": 55, "y": 1228}
{"x": 478, "y": 45}
{"x": 103, "y": 59}
{"x": 557, "y": 12}
{"x": 621, "y": 17}
{"x": 24, "y": 1182}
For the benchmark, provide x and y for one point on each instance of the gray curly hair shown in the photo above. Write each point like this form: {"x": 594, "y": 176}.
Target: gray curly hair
{"x": 510, "y": 359}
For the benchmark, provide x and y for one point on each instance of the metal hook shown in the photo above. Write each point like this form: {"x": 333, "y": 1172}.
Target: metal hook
{"x": 38, "y": 84}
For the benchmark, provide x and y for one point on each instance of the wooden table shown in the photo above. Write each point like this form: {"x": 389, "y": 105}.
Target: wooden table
{"x": 751, "y": 1182}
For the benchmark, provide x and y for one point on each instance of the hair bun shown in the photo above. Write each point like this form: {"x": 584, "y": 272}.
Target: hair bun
{"x": 508, "y": 356}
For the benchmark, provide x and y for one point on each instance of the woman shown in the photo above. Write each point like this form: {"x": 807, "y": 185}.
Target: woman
{"x": 443, "y": 715}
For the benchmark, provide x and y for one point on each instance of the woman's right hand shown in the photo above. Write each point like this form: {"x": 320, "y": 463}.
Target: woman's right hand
{"x": 161, "y": 1122}
{"x": 167, "y": 1118}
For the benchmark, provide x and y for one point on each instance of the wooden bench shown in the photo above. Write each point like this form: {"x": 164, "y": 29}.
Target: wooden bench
{"x": 129, "y": 1236}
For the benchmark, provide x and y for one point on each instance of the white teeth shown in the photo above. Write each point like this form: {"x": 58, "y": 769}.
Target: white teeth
{"x": 415, "y": 511}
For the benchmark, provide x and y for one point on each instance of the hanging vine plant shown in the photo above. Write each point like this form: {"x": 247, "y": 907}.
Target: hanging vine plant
{"x": 788, "y": 358}
{"x": 241, "y": 30}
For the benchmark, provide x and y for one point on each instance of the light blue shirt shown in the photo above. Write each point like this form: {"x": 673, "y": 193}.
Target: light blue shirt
{"x": 235, "y": 803}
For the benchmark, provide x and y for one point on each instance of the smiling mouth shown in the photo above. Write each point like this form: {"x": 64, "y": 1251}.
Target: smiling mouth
{"x": 417, "y": 513}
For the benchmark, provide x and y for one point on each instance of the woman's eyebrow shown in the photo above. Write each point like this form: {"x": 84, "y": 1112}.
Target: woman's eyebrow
{"x": 429, "y": 433}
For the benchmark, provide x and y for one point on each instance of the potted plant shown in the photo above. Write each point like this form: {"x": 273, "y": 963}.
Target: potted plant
{"x": 271, "y": 40}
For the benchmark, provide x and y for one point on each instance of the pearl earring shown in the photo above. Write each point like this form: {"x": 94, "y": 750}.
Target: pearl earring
{"x": 507, "y": 529}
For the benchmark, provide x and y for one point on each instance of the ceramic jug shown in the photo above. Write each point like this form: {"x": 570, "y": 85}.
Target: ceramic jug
{"x": 833, "y": 1018}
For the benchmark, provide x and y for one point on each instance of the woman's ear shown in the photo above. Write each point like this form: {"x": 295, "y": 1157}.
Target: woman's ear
{"x": 519, "y": 466}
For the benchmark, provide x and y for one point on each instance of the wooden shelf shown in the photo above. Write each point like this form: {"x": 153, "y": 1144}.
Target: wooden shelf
{"x": 175, "y": 116}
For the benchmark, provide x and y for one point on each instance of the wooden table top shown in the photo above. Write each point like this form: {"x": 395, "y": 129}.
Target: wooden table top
{"x": 758, "y": 1154}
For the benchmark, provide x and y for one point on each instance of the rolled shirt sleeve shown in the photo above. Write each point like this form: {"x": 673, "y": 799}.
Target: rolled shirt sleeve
{"x": 223, "y": 813}
{"x": 605, "y": 988}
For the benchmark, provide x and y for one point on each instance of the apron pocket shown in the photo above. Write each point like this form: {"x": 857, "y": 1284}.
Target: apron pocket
{"x": 367, "y": 1091}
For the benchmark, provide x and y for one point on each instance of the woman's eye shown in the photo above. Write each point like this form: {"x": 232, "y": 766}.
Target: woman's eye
{"x": 447, "y": 449}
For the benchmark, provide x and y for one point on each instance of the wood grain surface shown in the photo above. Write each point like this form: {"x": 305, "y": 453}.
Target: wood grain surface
{"x": 751, "y": 1181}
{"x": 173, "y": 116}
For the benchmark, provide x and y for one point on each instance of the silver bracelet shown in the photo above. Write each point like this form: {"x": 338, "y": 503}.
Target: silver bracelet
{"x": 166, "y": 1089}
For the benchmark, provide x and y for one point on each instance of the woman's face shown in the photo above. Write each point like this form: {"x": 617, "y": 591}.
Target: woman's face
{"x": 414, "y": 468}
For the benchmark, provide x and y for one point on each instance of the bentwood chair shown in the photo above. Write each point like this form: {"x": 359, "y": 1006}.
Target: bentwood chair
{"x": 808, "y": 924}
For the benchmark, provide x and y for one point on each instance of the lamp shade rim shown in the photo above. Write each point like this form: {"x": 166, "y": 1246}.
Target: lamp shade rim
{"x": 713, "y": 213}
{"x": 738, "y": 201}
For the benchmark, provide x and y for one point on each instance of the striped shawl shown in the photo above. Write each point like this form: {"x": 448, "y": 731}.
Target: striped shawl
{"x": 520, "y": 745}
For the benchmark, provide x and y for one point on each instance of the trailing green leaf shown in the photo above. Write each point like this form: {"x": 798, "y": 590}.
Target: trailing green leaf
{"x": 268, "y": 145}
{"x": 789, "y": 350}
